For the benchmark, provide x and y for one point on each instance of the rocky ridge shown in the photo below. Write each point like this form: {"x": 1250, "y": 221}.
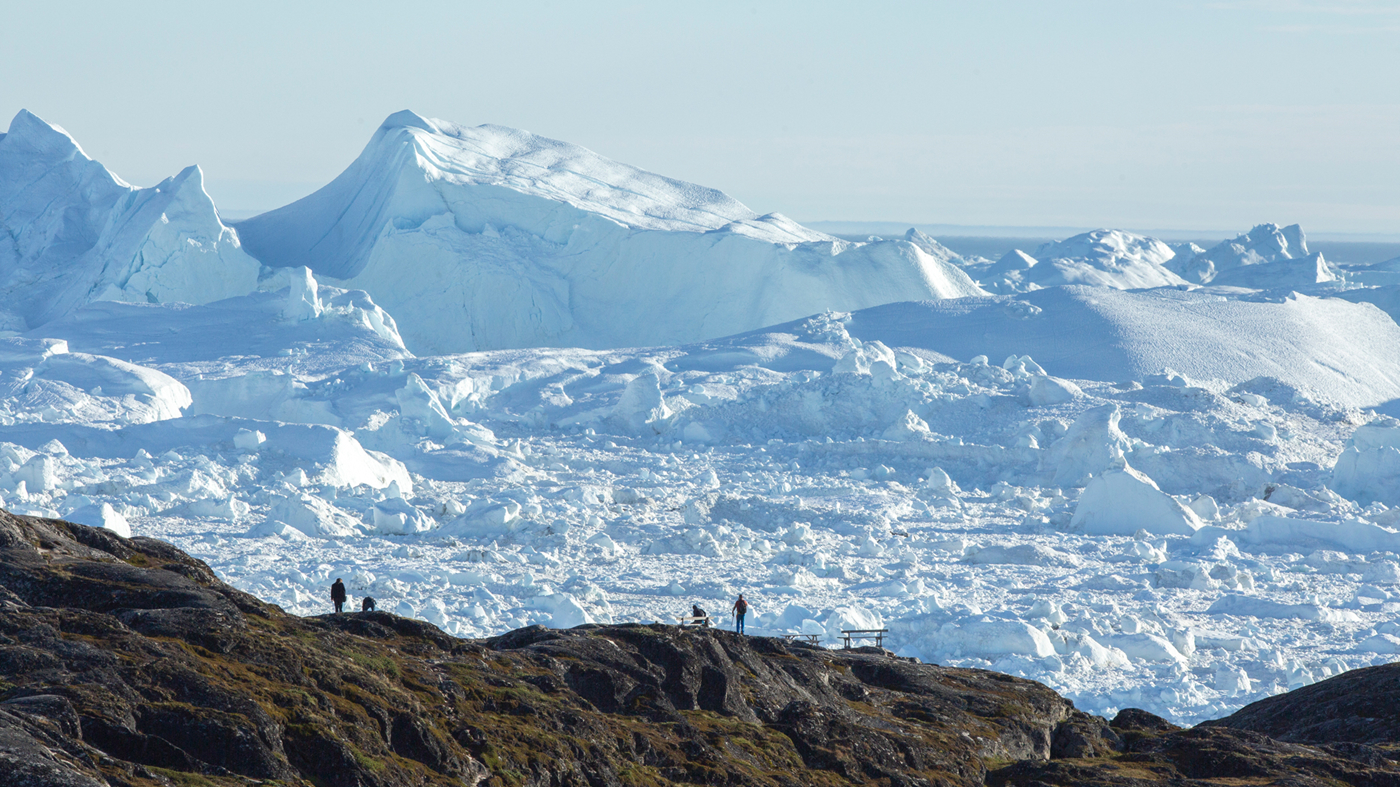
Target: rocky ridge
{"x": 126, "y": 662}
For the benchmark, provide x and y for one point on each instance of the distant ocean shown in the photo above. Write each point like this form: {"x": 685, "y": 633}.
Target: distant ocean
{"x": 994, "y": 246}
{"x": 1351, "y": 252}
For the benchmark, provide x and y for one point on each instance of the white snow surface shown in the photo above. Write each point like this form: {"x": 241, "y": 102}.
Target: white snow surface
{"x": 1175, "y": 498}
{"x": 1325, "y": 348}
{"x": 486, "y": 237}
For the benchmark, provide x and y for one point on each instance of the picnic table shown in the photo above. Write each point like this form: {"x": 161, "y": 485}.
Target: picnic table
{"x": 812, "y": 638}
{"x": 853, "y": 634}
{"x": 694, "y": 620}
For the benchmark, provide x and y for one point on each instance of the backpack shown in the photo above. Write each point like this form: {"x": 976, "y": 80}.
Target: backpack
{"x": 741, "y": 606}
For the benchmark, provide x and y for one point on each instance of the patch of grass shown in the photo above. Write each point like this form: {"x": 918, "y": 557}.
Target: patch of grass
{"x": 382, "y": 665}
{"x": 632, "y": 773}
{"x": 500, "y": 770}
{"x": 293, "y": 697}
{"x": 367, "y": 762}
{"x": 1014, "y": 710}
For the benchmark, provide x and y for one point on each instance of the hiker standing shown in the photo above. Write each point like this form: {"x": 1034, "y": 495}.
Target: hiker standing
{"x": 740, "y": 607}
{"x": 338, "y": 594}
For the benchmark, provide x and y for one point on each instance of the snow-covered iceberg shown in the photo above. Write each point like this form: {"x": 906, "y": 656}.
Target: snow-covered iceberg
{"x": 1102, "y": 258}
{"x": 489, "y": 237}
{"x": 77, "y": 233}
{"x": 1265, "y": 257}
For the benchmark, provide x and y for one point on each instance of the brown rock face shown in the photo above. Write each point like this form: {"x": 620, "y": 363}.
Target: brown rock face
{"x": 126, "y": 662}
{"x": 1361, "y": 706}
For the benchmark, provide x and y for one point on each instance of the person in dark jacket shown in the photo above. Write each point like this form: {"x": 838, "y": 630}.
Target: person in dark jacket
{"x": 697, "y": 612}
{"x": 338, "y": 594}
{"x": 367, "y": 604}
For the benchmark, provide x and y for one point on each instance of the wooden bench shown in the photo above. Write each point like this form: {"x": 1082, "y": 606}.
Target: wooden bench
{"x": 812, "y": 638}
{"x": 876, "y": 634}
{"x": 694, "y": 620}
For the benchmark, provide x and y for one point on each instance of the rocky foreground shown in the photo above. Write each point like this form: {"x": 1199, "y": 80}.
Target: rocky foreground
{"x": 127, "y": 662}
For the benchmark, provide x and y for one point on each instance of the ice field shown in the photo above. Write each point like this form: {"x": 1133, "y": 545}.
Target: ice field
{"x": 494, "y": 380}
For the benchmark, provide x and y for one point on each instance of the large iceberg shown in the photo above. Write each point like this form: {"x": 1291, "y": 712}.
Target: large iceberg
{"x": 78, "y": 234}
{"x": 488, "y": 237}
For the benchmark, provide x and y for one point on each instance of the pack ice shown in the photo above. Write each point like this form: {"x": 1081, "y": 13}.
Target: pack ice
{"x": 1119, "y": 476}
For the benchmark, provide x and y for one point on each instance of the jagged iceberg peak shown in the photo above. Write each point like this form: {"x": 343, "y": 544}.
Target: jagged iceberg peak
{"x": 400, "y": 175}
{"x": 34, "y": 154}
{"x": 40, "y": 141}
{"x": 1266, "y": 243}
{"x": 1270, "y": 242}
{"x": 1102, "y": 258}
{"x": 931, "y": 247}
{"x": 78, "y": 233}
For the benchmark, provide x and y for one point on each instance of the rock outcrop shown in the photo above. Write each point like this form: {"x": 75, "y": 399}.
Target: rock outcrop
{"x": 1156, "y": 752}
{"x": 1355, "y": 707}
{"x": 126, "y": 662}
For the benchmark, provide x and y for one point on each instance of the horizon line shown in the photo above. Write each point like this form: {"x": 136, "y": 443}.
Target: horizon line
{"x": 1037, "y": 231}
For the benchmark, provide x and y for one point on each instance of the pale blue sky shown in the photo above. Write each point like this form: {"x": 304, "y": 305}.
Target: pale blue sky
{"x": 1149, "y": 115}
